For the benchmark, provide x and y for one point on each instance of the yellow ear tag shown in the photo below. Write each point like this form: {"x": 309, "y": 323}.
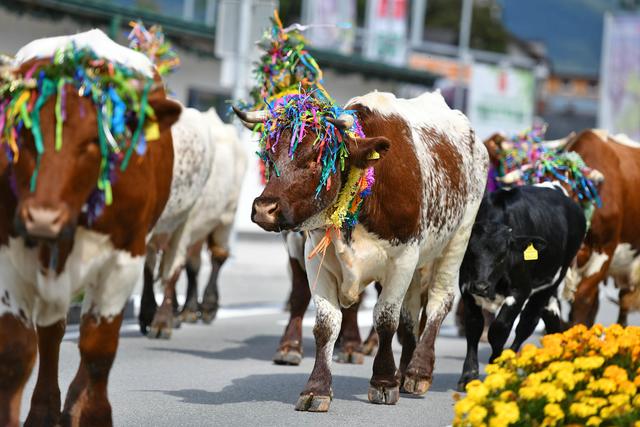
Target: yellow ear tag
{"x": 530, "y": 254}
{"x": 374, "y": 155}
{"x": 151, "y": 131}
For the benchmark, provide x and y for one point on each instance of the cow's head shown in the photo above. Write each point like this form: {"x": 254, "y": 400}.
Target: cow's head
{"x": 300, "y": 187}
{"x": 492, "y": 251}
{"x": 63, "y": 158}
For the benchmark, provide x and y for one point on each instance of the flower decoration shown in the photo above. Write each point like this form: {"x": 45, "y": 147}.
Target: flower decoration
{"x": 584, "y": 376}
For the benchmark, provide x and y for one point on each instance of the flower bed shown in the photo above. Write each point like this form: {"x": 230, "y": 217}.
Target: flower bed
{"x": 582, "y": 377}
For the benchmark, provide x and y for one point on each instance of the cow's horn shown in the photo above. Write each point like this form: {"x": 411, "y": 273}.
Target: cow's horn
{"x": 344, "y": 121}
{"x": 252, "y": 116}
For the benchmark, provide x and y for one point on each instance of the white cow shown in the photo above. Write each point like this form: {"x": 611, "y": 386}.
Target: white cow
{"x": 212, "y": 167}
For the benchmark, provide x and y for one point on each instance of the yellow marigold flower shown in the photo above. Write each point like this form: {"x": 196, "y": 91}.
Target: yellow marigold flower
{"x": 552, "y": 393}
{"x": 477, "y": 392}
{"x": 582, "y": 410}
{"x": 495, "y": 382}
{"x": 615, "y": 330}
{"x": 477, "y": 415}
{"x": 566, "y": 379}
{"x": 604, "y": 385}
{"x": 627, "y": 387}
{"x": 506, "y": 355}
{"x": 616, "y": 373}
{"x": 597, "y": 329}
{"x": 554, "y": 411}
{"x": 507, "y": 411}
{"x": 618, "y": 399}
{"x": 636, "y": 401}
{"x": 596, "y": 402}
{"x": 594, "y": 421}
{"x": 507, "y": 395}
{"x": 560, "y": 366}
{"x": 609, "y": 350}
{"x": 588, "y": 363}
{"x": 636, "y": 424}
{"x": 528, "y": 393}
{"x": 463, "y": 406}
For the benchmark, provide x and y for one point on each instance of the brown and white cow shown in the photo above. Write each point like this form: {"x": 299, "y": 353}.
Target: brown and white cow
{"x": 413, "y": 230}
{"x": 612, "y": 245}
{"x": 48, "y": 251}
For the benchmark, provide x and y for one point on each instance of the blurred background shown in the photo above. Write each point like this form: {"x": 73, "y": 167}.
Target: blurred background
{"x": 507, "y": 64}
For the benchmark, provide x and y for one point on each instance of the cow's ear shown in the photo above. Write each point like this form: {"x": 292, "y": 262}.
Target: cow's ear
{"x": 364, "y": 152}
{"x": 521, "y": 243}
{"x": 167, "y": 112}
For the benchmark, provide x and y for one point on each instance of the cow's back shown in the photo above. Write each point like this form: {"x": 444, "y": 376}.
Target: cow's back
{"x": 434, "y": 159}
{"x": 193, "y": 154}
{"x": 540, "y": 212}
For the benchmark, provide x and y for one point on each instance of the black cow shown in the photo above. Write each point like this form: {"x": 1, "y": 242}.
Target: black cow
{"x": 496, "y": 271}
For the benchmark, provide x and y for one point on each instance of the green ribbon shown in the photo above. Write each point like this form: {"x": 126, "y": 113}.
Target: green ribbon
{"x": 136, "y": 135}
{"x": 59, "y": 118}
{"x": 48, "y": 88}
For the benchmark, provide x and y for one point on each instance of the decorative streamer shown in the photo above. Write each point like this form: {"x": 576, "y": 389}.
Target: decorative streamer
{"x": 289, "y": 85}
{"x": 526, "y": 159}
{"x": 111, "y": 87}
{"x": 151, "y": 42}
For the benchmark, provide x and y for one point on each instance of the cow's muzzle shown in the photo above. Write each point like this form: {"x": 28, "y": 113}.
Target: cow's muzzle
{"x": 266, "y": 213}
{"x": 40, "y": 223}
{"x": 482, "y": 289}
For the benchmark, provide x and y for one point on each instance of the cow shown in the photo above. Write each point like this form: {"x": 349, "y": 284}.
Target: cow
{"x": 61, "y": 229}
{"x": 430, "y": 174}
{"x": 612, "y": 245}
{"x": 522, "y": 244}
{"x": 351, "y": 349}
{"x": 211, "y": 168}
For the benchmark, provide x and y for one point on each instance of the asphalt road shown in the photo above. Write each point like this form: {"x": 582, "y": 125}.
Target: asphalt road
{"x": 222, "y": 374}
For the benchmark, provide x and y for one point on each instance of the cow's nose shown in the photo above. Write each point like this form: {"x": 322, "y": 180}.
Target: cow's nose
{"x": 480, "y": 288}
{"x": 44, "y": 223}
{"x": 265, "y": 213}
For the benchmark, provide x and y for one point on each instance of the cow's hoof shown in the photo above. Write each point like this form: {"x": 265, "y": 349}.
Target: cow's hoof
{"x": 208, "y": 316}
{"x": 384, "y": 395}
{"x": 159, "y": 331}
{"x": 350, "y": 356}
{"x": 416, "y": 384}
{"x": 465, "y": 379}
{"x": 188, "y": 316}
{"x": 312, "y": 403}
{"x": 287, "y": 357}
{"x": 176, "y": 322}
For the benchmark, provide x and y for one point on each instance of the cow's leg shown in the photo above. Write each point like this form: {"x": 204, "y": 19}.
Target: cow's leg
{"x": 502, "y": 325}
{"x": 17, "y": 356}
{"x": 460, "y": 318}
{"x": 538, "y": 303}
{"x": 189, "y": 313}
{"x": 349, "y": 340}
{"x": 474, "y": 319}
{"x": 210, "y": 298}
{"x": 162, "y": 324}
{"x": 317, "y": 394}
{"x": 385, "y": 382}
{"x": 625, "y": 300}
{"x": 148, "y": 304}
{"x": 45, "y": 402}
{"x": 409, "y": 325}
{"x": 440, "y": 295}
{"x": 370, "y": 345}
{"x": 87, "y": 403}
{"x": 290, "y": 349}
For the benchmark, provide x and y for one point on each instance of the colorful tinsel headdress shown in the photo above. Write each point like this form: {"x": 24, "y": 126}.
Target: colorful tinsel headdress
{"x": 289, "y": 86}
{"x": 525, "y": 160}
{"x": 152, "y": 43}
{"x": 119, "y": 94}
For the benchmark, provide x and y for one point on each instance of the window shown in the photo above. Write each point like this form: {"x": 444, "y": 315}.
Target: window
{"x": 200, "y": 11}
{"x": 204, "y": 99}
